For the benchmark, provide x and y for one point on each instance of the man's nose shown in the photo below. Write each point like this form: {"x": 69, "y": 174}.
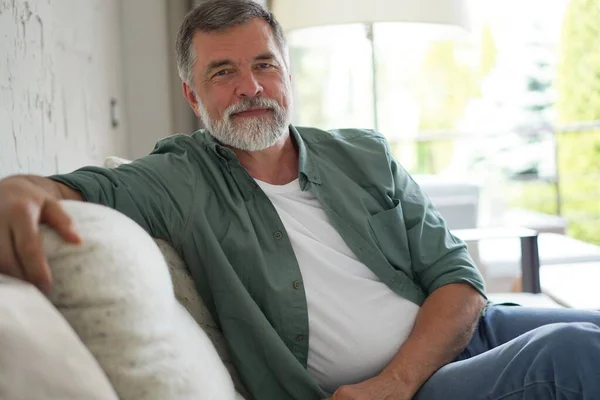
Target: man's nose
{"x": 248, "y": 86}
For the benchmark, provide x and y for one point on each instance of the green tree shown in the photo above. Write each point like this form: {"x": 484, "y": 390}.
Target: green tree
{"x": 446, "y": 84}
{"x": 489, "y": 52}
{"x": 539, "y": 83}
{"x": 310, "y": 68}
{"x": 536, "y": 103}
{"x": 578, "y": 89}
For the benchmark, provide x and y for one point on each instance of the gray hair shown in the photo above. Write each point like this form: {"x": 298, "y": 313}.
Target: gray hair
{"x": 217, "y": 16}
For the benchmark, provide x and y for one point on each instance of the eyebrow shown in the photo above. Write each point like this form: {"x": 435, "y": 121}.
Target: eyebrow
{"x": 225, "y": 62}
{"x": 265, "y": 56}
{"x": 217, "y": 64}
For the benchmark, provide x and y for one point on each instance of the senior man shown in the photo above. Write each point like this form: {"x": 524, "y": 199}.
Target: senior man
{"x": 328, "y": 270}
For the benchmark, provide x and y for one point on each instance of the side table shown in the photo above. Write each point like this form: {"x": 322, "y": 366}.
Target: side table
{"x": 530, "y": 258}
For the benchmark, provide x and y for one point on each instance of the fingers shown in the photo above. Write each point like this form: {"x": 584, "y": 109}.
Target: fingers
{"x": 29, "y": 252}
{"x": 55, "y": 216}
{"x": 23, "y": 207}
{"x": 9, "y": 264}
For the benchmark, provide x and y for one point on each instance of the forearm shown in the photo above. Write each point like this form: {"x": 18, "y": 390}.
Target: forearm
{"x": 56, "y": 189}
{"x": 442, "y": 330}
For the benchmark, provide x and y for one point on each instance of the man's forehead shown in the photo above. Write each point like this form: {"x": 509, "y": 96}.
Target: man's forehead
{"x": 241, "y": 42}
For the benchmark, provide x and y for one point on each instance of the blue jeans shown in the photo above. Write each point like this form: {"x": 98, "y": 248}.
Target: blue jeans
{"x": 524, "y": 353}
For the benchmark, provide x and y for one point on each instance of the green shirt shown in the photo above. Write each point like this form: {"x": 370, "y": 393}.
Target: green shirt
{"x": 194, "y": 193}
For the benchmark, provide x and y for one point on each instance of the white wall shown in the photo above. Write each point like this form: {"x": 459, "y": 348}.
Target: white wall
{"x": 184, "y": 119}
{"x": 60, "y": 65}
{"x": 154, "y": 104}
{"x": 151, "y": 87}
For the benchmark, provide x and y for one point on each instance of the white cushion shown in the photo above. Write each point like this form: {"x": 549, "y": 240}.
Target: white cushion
{"x": 186, "y": 293}
{"x": 114, "y": 162}
{"x": 501, "y": 258}
{"x": 456, "y": 200}
{"x": 116, "y": 292}
{"x": 574, "y": 285}
{"x": 40, "y": 355}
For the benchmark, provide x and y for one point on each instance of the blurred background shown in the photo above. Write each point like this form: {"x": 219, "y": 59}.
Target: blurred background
{"x": 514, "y": 103}
{"x": 493, "y": 105}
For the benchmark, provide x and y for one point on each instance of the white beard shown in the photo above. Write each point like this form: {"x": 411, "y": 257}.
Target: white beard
{"x": 250, "y": 133}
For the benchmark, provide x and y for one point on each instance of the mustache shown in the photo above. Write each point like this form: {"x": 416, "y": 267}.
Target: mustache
{"x": 246, "y": 104}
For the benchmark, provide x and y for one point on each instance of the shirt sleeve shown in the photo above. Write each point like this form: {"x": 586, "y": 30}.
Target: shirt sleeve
{"x": 156, "y": 191}
{"x": 438, "y": 257}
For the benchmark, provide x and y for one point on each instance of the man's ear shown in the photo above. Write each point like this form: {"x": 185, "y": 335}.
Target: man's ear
{"x": 190, "y": 96}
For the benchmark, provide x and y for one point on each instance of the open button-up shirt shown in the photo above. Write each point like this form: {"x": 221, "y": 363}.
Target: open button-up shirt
{"x": 194, "y": 193}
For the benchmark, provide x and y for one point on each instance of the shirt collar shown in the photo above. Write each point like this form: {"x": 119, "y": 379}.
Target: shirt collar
{"x": 306, "y": 165}
{"x": 307, "y": 170}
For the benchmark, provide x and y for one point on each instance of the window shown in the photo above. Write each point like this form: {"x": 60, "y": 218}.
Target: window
{"x": 492, "y": 104}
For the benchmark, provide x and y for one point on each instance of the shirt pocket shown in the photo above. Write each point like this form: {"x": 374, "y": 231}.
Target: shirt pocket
{"x": 391, "y": 237}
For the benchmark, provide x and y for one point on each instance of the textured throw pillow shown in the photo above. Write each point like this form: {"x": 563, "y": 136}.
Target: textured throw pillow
{"x": 116, "y": 292}
{"x": 186, "y": 293}
{"x": 40, "y": 355}
{"x": 114, "y": 162}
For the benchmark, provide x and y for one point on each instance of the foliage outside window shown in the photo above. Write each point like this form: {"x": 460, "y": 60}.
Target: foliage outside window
{"x": 479, "y": 105}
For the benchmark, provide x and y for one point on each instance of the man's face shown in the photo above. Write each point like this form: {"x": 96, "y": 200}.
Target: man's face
{"x": 242, "y": 86}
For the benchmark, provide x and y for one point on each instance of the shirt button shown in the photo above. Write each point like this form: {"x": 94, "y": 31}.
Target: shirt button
{"x": 278, "y": 235}
{"x": 296, "y": 284}
{"x": 299, "y": 338}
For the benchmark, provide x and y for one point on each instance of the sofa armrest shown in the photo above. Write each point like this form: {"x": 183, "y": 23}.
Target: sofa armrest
{"x": 40, "y": 355}
{"x": 115, "y": 290}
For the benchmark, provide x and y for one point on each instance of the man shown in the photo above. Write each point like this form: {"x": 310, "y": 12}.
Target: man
{"x": 329, "y": 271}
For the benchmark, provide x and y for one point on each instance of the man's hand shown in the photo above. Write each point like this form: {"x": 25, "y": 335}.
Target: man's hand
{"x": 381, "y": 387}
{"x": 25, "y": 203}
{"x": 443, "y": 328}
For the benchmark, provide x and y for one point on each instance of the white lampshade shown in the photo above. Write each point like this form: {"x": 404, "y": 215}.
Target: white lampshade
{"x": 297, "y": 14}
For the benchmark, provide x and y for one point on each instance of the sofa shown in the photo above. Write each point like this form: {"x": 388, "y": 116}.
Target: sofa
{"x": 123, "y": 321}
{"x": 457, "y": 200}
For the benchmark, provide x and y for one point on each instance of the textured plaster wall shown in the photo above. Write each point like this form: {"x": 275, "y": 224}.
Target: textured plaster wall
{"x": 60, "y": 67}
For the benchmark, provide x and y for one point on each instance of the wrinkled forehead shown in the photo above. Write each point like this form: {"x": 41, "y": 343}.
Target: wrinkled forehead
{"x": 239, "y": 44}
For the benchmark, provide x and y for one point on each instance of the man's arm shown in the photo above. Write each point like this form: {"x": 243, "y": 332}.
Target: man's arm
{"x": 155, "y": 191}
{"x": 455, "y": 298}
{"x": 443, "y": 328}
{"x": 454, "y": 287}
{"x": 59, "y": 190}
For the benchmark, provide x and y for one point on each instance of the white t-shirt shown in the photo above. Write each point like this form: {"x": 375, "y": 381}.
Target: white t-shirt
{"x": 356, "y": 322}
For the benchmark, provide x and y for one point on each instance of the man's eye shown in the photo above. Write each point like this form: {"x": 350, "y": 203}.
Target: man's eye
{"x": 222, "y": 72}
{"x": 264, "y": 65}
